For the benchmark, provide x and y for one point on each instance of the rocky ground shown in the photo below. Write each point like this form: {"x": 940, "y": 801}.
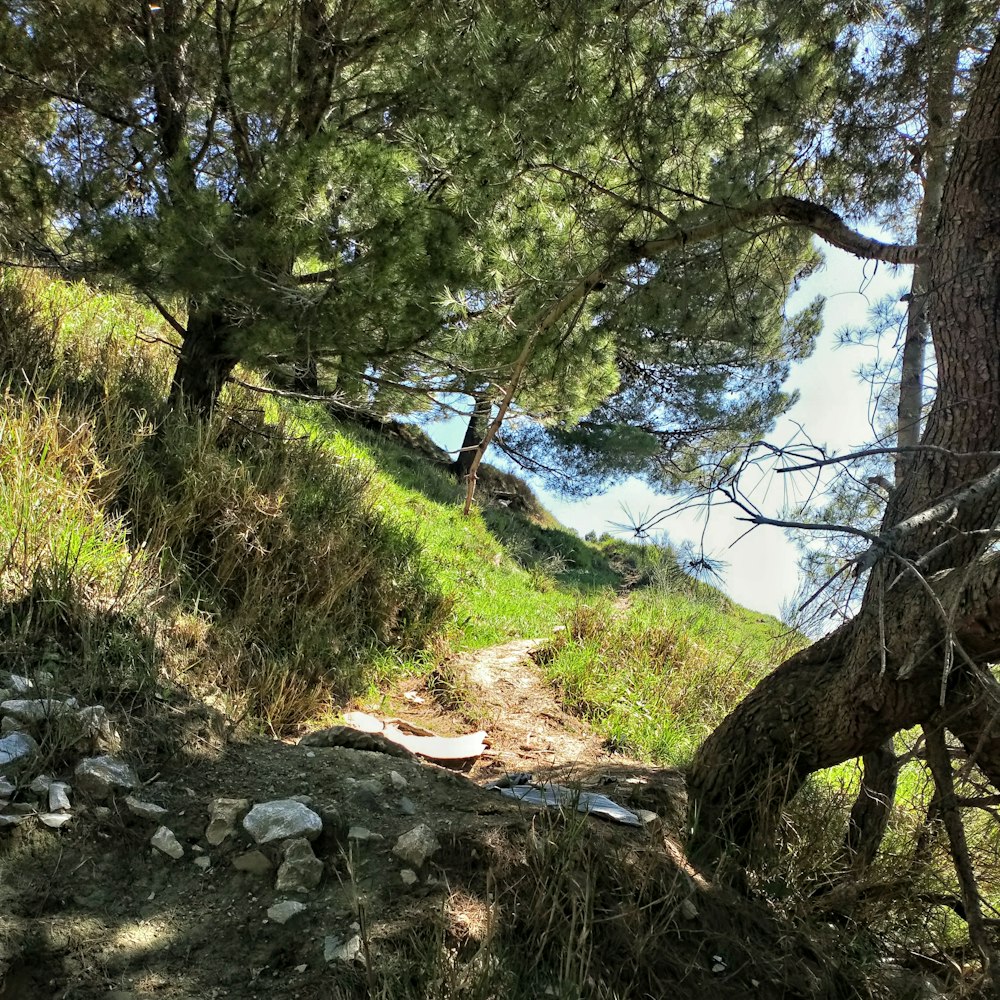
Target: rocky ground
{"x": 268, "y": 869}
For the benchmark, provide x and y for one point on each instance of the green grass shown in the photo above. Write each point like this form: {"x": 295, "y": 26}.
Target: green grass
{"x": 655, "y": 674}
{"x": 279, "y": 562}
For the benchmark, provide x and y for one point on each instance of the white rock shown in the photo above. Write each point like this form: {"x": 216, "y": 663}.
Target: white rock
{"x": 281, "y": 819}
{"x": 16, "y": 749}
{"x": 100, "y": 776}
{"x": 144, "y": 810}
{"x": 282, "y": 912}
{"x": 362, "y": 833}
{"x": 11, "y": 819}
{"x": 20, "y": 684}
{"x": 7, "y": 788}
{"x": 223, "y": 816}
{"x": 58, "y": 796}
{"x": 409, "y": 876}
{"x": 416, "y": 846}
{"x": 55, "y": 819}
{"x": 37, "y": 709}
{"x": 165, "y": 841}
{"x": 335, "y": 949}
{"x": 204, "y": 862}
{"x": 398, "y": 781}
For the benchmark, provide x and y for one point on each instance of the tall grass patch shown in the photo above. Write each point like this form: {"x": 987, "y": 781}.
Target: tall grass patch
{"x": 276, "y": 567}
{"x": 655, "y": 673}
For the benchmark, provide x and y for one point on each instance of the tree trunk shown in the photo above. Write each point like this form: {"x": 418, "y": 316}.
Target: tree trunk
{"x": 203, "y": 365}
{"x": 305, "y": 375}
{"x": 933, "y": 161}
{"x": 847, "y": 694}
{"x": 869, "y": 817}
{"x": 474, "y": 433}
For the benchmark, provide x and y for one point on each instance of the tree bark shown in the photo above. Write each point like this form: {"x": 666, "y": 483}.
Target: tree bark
{"x": 475, "y": 431}
{"x": 204, "y": 364}
{"x": 845, "y": 695}
{"x": 872, "y": 808}
{"x": 933, "y": 161}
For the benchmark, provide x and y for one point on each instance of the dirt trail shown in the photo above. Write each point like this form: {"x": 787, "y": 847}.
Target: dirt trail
{"x": 502, "y": 690}
{"x": 92, "y": 912}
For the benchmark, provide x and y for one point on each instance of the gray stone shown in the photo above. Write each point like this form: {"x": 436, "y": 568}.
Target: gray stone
{"x": 406, "y": 807}
{"x": 336, "y": 949}
{"x": 301, "y": 869}
{"x": 55, "y": 819}
{"x": 165, "y": 841}
{"x": 254, "y": 862}
{"x": 204, "y": 863}
{"x": 409, "y": 876}
{"x": 11, "y": 819}
{"x": 416, "y": 846}
{"x": 223, "y": 815}
{"x": 646, "y": 816}
{"x": 58, "y": 796}
{"x": 371, "y": 786}
{"x": 7, "y": 788}
{"x": 281, "y": 819}
{"x": 144, "y": 810}
{"x": 8, "y": 725}
{"x": 20, "y": 684}
{"x": 282, "y": 912}
{"x": 38, "y": 709}
{"x": 40, "y": 785}
{"x": 688, "y": 910}
{"x": 398, "y": 781}
{"x": 16, "y": 749}
{"x": 100, "y": 776}
{"x": 362, "y": 833}
{"x": 96, "y": 724}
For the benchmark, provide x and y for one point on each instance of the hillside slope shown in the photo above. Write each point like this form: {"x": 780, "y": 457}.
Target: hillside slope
{"x": 220, "y": 589}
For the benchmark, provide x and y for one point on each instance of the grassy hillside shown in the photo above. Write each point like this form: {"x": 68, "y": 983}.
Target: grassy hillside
{"x": 283, "y": 561}
{"x": 277, "y": 563}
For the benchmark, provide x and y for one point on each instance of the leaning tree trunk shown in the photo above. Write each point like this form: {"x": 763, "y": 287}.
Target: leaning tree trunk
{"x": 474, "y": 433}
{"x": 205, "y": 362}
{"x": 883, "y": 671}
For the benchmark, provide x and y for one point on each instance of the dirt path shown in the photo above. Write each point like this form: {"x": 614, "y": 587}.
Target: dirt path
{"x": 92, "y": 911}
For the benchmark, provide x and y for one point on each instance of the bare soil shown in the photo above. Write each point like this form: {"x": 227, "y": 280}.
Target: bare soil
{"x": 527, "y": 902}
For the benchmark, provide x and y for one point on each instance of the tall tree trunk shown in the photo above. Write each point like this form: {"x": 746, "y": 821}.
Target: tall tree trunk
{"x": 204, "y": 364}
{"x": 932, "y": 161}
{"x": 849, "y": 692}
{"x": 474, "y": 433}
{"x": 870, "y": 814}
